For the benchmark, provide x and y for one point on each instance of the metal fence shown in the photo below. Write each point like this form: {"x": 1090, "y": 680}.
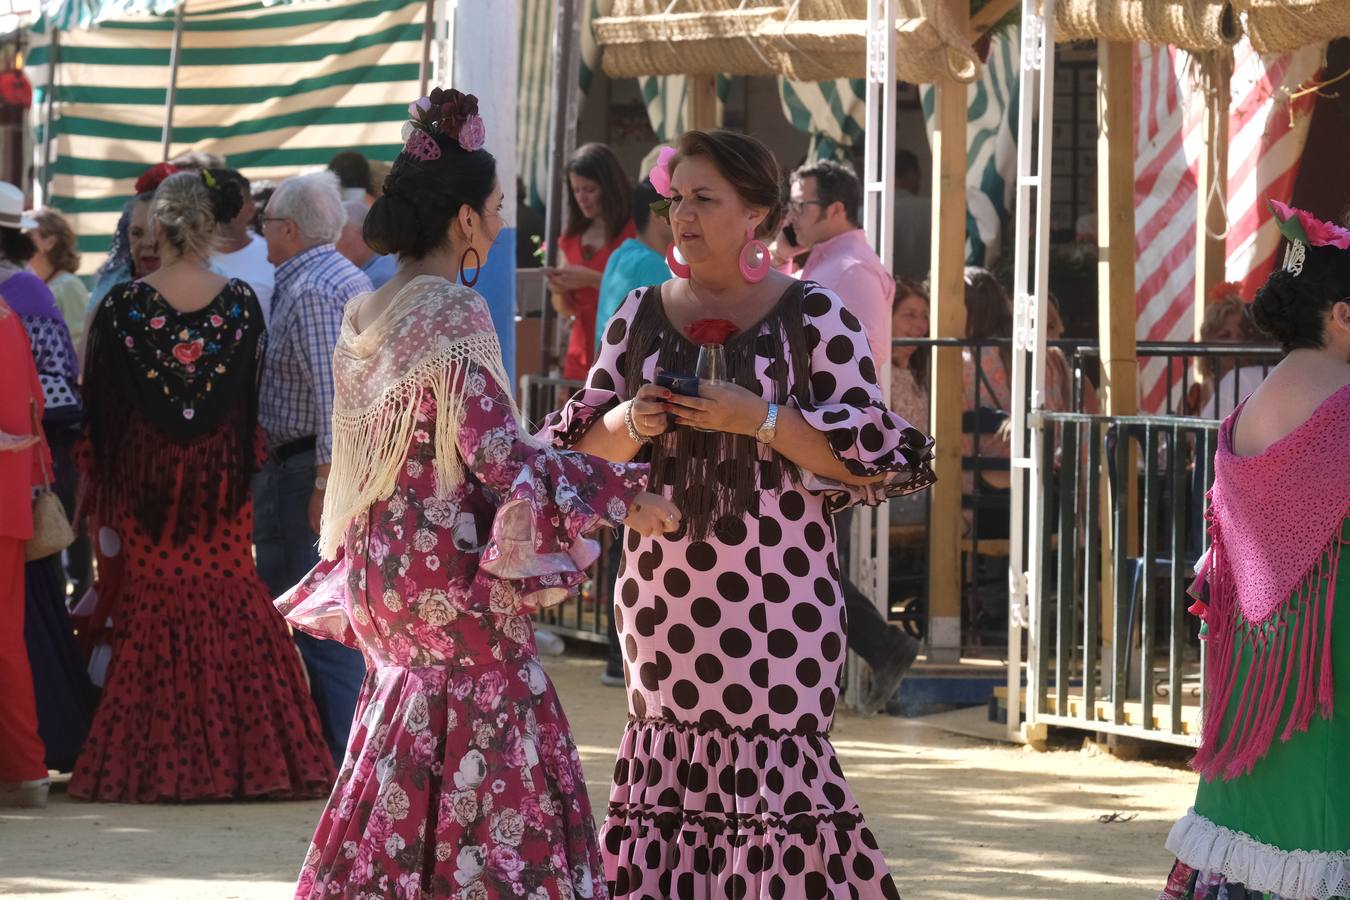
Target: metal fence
{"x": 586, "y": 614}
{"x": 1114, "y": 649}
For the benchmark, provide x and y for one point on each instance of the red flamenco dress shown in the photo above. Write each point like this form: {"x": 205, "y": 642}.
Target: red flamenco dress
{"x": 205, "y": 698}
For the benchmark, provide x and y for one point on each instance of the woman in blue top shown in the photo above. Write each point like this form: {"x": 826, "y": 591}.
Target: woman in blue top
{"x": 637, "y": 262}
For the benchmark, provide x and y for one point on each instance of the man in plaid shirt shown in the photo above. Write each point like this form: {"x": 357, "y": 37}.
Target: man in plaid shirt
{"x": 295, "y": 408}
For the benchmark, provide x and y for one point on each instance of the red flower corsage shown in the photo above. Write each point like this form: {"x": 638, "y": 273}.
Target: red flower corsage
{"x": 710, "y": 331}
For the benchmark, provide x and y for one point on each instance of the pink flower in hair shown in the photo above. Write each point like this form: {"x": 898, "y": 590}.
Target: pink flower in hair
{"x": 472, "y": 133}
{"x": 660, "y": 173}
{"x": 418, "y": 106}
{"x": 1319, "y": 233}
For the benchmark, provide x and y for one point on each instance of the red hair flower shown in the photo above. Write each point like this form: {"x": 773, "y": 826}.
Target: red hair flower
{"x": 152, "y": 177}
{"x": 710, "y": 331}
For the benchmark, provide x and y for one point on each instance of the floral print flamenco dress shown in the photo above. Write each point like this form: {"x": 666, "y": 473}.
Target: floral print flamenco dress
{"x": 444, "y": 526}
{"x": 726, "y": 785}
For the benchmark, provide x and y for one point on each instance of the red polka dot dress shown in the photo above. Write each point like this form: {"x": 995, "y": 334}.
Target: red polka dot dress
{"x": 205, "y": 698}
{"x": 726, "y": 784}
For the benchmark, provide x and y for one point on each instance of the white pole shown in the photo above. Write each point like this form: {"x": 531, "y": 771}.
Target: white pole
{"x": 1026, "y": 568}
{"x": 480, "y": 52}
{"x": 171, "y": 90}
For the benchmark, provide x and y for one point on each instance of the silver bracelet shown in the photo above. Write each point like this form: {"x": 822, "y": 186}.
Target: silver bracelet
{"x": 633, "y": 434}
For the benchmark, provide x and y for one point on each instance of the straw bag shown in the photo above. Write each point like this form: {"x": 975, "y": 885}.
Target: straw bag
{"x": 51, "y": 529}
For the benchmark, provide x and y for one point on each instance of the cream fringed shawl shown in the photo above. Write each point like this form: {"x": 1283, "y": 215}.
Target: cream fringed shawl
{"x": 424, "y": 343}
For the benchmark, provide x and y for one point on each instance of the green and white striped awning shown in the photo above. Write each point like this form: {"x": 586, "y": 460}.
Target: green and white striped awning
{"x": 276, "y": 89}
{"x": 536, "y": 66}
{"x": 832, "y": 112}
{"x": 991, "y": 138}
{"x": 71, "y": 14}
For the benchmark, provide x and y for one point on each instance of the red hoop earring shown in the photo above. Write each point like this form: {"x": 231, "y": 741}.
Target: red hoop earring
{"x": 751, "y": 271}
{"x": 678, "y": 266}
{"x": 477, "y": 267}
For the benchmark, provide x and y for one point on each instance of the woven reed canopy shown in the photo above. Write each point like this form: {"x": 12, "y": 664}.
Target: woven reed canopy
{"x": 804, "y": 40}
{"x": 1273, "y": 26}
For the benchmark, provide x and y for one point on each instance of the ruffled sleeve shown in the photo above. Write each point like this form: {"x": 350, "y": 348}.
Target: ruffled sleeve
{"x": 318, "y": 605}
{"x": 846, "y": 404}
{"x": 549, "y": 501}
{"x": 605, "y": 387}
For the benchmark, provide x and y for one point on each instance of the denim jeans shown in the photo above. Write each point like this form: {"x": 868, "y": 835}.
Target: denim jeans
{"x": 286, "y": 550}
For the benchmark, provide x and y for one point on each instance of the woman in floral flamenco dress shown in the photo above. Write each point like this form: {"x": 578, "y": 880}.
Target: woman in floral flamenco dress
{"x": 444, "y": 525}
{"x": 1271, "y": 819}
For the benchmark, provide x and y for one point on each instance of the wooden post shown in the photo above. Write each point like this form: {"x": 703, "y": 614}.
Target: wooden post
{"x": 1212, "y": 175}
{"x": 700, "y": 103}
{"x": 1115, "y": 275}
{"x": 948, "y": 321}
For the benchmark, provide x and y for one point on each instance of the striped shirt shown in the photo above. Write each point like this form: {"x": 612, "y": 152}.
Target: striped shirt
{"x": 296, "y": 396}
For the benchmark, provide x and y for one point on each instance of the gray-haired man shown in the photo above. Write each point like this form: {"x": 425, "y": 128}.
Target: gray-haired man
{"x": 295, "y": 408}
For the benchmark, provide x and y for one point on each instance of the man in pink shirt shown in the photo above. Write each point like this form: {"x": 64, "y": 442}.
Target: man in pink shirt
{"x": 823, "y": 212}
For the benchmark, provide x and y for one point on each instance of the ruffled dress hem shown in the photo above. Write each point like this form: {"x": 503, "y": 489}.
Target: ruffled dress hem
{"x": 1212, "y": 850}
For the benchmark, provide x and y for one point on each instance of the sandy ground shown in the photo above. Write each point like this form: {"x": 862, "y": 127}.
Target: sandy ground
{"x": 956, "y": 817}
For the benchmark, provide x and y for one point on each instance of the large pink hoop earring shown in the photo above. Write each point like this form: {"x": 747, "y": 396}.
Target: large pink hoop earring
{"x": 750, "y": 271}
{"x": 678, "y": 266}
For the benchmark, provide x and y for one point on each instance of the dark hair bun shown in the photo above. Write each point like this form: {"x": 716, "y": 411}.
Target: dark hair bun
{"x": 227, "y": 200}
{"x": 1292, "y": 308}
{"x": 421, "y": 198}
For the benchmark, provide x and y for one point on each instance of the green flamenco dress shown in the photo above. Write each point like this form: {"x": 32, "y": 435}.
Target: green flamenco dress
{"x": 1280, "y": 831}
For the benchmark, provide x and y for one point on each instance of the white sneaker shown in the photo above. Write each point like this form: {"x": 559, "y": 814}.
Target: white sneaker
{"x": 25, "y": 794}
{"x": 549, "y": 644}
{"x": 609, "y": 680}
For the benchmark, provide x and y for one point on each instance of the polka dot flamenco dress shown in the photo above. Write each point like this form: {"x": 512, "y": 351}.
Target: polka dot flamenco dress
{"x": 726, "y": 784}
{"x": 205, "y": 698}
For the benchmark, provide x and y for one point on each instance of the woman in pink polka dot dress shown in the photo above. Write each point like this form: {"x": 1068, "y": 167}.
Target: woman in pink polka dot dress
{"x": 726, "y": 783}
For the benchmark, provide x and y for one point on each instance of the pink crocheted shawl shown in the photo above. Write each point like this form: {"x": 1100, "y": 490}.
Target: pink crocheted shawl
{"x": 1267, "y": 584}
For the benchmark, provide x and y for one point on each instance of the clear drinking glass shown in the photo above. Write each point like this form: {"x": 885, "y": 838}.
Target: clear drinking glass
{"x": 712, "y": 366}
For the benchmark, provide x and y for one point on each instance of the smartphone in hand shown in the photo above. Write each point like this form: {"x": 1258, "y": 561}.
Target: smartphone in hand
{"x": 684, "y": 385}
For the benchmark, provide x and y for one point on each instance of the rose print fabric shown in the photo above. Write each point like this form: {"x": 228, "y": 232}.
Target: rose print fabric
{"x": 461, "y": 778}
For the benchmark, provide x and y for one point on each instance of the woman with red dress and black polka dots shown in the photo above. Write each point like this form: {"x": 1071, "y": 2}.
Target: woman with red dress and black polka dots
{"x": 205, "y": 698}
{"x": 732, "y": 626}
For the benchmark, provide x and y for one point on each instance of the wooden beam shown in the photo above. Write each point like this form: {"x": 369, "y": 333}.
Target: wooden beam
{"x": 701, "y": 110}
{"x": 1116, "y": 317}
{"x": 948, "y": 321}
{"x": 989, "y": 16}
{"x": 1115, "y": 228}
{"x": 1212, "y": 175}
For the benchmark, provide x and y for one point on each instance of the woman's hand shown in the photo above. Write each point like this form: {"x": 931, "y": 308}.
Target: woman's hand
{"x": 571, "y": 278}
{"x": 649, "y": 410}
{"x": 12, "y": 442}
{"x": 561, "y": 305}
{"x": 721, "y": 407}
{"x": 651, "y": 515}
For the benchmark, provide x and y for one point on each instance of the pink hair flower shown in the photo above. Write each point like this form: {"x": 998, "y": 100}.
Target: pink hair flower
{"x": 418, "y": 106}
{"x": 660, "y": 173}
{"x": 472, "y": 134}
{"x": 1314, "y": 231}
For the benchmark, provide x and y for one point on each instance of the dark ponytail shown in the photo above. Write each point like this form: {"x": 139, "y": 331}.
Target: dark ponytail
{"x": 421, "y": 198}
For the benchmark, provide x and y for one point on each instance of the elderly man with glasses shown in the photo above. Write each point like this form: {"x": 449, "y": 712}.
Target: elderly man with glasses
{"x": 295, "y": 408}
